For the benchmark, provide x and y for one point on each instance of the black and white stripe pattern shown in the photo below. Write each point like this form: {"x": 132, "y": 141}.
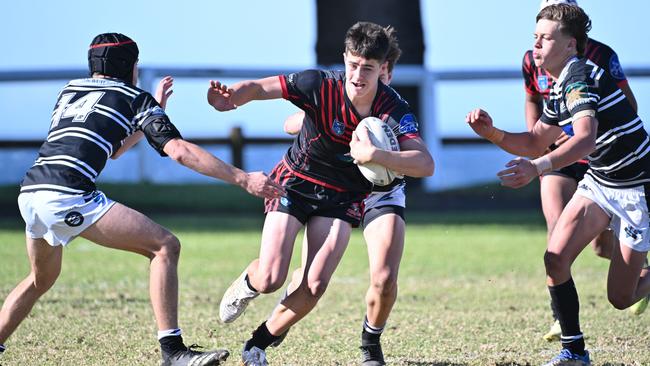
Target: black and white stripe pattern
{"x": 621, "y": 156}
{"x": 82, "y": 139}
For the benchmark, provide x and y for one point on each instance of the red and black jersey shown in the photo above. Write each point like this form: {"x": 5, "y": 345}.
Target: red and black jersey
{"x": 538, "y": 82}
{"x": 321, "y": 152}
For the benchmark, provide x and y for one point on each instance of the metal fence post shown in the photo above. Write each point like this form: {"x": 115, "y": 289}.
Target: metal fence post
{"x": 237, "y": 147}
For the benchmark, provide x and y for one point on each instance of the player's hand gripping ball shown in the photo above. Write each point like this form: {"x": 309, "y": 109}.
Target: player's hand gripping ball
{"x": 382, "y": 137}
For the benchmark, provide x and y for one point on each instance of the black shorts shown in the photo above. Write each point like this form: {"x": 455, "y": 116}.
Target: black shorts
{"x": 305, "y": 199}
{"x": 575, "y": 171}
{"x": 375, "y": 212}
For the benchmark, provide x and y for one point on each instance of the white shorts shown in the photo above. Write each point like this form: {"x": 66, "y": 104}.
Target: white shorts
{"x": 59, "y": 217}
{"x": 627, "y": 208}
{"x": 394, "y": 197}
{"x": 382, "y": 203}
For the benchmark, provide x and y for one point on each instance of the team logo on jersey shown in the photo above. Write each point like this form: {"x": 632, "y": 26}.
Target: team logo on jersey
{"x": 74, "y": 218}
{"x": 615, "y": 68}
{"x": 576, "y": 94}
{"x": 542, "y": 83}
{"x": 408, "y": 124}
{"x": 338, "y": 127}
{"x": 284, "y": 201}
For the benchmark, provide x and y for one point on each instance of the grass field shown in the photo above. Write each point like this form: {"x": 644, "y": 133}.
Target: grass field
{"x": 472, "y": 292}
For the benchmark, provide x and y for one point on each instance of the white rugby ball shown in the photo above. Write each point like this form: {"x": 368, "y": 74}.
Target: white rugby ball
{"x": 383, "y": 138}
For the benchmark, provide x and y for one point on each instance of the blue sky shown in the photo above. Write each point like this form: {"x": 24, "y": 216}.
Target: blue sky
{"x": 459, "y": 35}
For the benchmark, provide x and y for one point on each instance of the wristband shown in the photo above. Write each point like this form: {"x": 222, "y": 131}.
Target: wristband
{"x": 543, "y": 164}
{"x": 495, "y": 136}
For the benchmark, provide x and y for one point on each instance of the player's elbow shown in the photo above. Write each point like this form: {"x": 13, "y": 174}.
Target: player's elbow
{"x": 177, "y": 150}
{"x": 428, "y": 167}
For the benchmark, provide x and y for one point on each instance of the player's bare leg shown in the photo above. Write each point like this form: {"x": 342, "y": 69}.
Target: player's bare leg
{"x": 267, "y": 273}
{"x": 555, "y": 190}
{"x": 126, "y": 229}
{"x": 45, "y": 261}
{"x": 580, "y": 222}
{"x": 327, "y": 240}
{"x": 385, "y": 241}
{"x": 628, "y": 280}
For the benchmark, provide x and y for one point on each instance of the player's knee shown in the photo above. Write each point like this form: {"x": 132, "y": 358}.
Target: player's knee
{"x": 316, "y": 288}
{"x": 553, "y": 262}
{"x": 619, "y": 300}
{"x": 170, "y": 247}
{"x": 269, "y": 284}
{"x": 43, "y": 280}
{"x": 384, "y": 282}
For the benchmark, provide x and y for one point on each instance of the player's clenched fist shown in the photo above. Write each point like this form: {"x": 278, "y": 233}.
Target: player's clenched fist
{"x": 481, "y": 122}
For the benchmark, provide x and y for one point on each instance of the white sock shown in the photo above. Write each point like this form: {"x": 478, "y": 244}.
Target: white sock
{"x": 372, "y": 329}
{"x": 169, "y": 332}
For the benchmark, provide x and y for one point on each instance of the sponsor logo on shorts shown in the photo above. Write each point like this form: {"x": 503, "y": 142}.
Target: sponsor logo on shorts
{"x": 631, "y": 232}
{"x": 542, "y": 83}
{"x": 284, "y": 201}
{"x": 338, "y": 127}
{"x": 408, "y": 124}
{"x": 584, "y": 187}
{"x": 354, "y": 211}
{"x": 74, "y": 218}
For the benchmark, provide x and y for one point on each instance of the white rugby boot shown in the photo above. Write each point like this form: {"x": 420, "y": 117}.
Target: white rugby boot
{"x": 235, "y": 299}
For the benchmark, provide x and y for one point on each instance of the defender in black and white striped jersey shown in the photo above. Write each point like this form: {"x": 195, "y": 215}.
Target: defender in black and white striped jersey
{"x": 613, "y": 192}
{"x": 91, "y": 119}
{"x": 96, "y": 119}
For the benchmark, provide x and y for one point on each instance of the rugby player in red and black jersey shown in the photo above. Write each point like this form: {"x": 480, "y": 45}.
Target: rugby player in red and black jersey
{"x": 384, "y": 228}
{"x": 614, "y": 190}
{"x": 95, "y": 119}
{"x": 324, "y": 187}
{"x": 557, "y": 187}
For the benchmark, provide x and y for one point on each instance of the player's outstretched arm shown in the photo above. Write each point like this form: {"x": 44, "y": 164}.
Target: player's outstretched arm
{"x": 531, "y": 144}
{"x": 199, "y": 160}
{"x": 224, "y": 98}
{"x": 293, "y": 123}
{"x": 413, "y": 160}
{"x": 163, "y": 92}
{"x": 519, "y": 172}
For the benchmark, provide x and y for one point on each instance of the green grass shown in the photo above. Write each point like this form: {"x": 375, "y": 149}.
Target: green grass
{"x": 472, "y": 292}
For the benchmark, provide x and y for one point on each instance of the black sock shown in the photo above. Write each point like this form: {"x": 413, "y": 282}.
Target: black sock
{"x": 261, "y": 339}
{"x": 172, "y": 344}
{"x": 248, "y": 283}
{"x": 565, "y": 300}
{"x": 2, "y": 348}
{"x": 554, "y": 310}
{"x": 370, "y": 335}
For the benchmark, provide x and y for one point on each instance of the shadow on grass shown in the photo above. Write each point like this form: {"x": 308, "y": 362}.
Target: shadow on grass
{"x": 434, "y": 363}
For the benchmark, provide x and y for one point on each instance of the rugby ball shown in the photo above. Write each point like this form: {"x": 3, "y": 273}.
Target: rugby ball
{"x": 381, "y": 136}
